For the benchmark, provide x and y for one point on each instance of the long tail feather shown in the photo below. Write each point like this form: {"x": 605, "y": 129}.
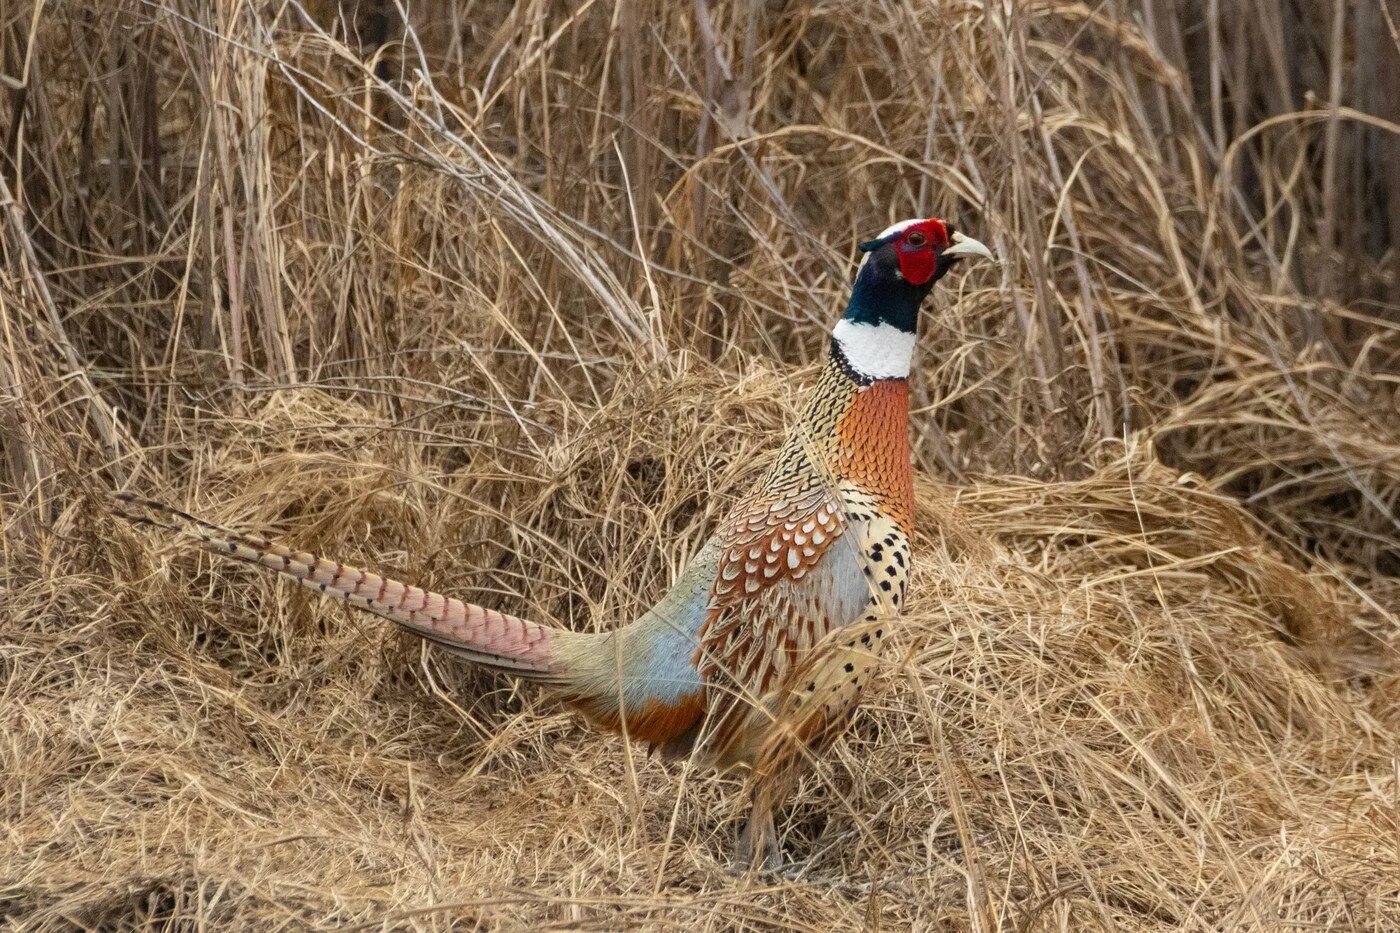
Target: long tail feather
{"x": 482, "y": 635}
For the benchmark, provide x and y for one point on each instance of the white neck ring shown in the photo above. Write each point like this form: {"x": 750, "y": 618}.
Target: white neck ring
{"x": 876, "y": 351}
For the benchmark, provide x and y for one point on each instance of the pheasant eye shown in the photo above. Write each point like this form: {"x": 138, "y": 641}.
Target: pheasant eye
{"x": 916, "y": 239}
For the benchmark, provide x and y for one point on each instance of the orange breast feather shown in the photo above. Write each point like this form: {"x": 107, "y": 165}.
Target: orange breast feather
{"x": 874, "y": 448}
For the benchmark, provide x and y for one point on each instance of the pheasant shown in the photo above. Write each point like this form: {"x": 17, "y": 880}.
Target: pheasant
{"x": 757, "y": 656}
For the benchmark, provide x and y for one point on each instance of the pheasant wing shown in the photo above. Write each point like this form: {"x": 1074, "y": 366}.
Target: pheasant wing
{"x": 785, "y": 577}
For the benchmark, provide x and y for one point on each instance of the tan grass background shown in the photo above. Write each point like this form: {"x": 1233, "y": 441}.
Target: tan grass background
{"x": 513, "y": 298}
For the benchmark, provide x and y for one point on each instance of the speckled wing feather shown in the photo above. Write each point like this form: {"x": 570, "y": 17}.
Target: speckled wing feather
{"x": 785, "y": 577}
{"x": 817, "y": 698}
{"x": 776, "y": 537}
{"x": 808, "y": 711}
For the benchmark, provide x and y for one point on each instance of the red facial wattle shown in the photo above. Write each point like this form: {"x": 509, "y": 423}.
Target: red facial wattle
{"x": 917, "y": 264}
{"x": 918, "y": 257}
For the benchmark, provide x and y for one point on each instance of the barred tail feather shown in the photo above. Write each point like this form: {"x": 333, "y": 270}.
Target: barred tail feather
{"x": 484, "y": 636}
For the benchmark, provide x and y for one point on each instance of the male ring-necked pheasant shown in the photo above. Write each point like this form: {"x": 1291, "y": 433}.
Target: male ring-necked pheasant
{"x": 758, "y": 654}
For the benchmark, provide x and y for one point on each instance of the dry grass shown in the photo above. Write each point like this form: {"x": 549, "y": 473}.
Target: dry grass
{"x": 515, "y": 300}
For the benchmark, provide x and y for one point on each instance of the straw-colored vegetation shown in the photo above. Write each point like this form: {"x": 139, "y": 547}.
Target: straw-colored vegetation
{"x": 515, "y": 298}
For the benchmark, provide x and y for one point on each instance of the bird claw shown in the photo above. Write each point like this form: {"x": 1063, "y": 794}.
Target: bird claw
{"x": 769, "y": 862}
{"x": 757, "y": 848}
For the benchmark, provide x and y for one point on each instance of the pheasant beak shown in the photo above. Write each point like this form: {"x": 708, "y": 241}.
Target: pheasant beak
{"x": 966, "y": 246}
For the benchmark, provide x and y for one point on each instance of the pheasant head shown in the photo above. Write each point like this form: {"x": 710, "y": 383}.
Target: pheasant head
{"x": 876, "y": 334}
